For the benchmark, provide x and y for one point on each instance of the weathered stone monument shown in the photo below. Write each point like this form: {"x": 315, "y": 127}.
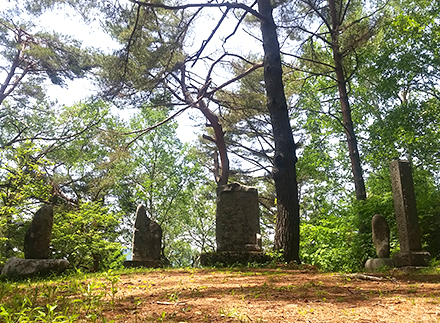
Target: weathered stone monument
{"x": 36, "y": 249}
{"x": 381, "y": 236}
{"x": 147, "y": 241}
{"x": 411, "y": 253}
{"x": 381, "y": 241}
{"x": 37, "y": 238}
{"x": 237, "y": 227}
{"x": 237, "y": 218}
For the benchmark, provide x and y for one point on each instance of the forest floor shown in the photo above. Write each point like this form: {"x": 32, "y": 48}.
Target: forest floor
{"x": 275, "y": 295}
{"x": 282, "y": 294}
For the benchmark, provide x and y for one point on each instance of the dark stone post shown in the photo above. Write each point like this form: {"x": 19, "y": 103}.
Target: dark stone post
{"x": 39, "y": 234}
{"x": 237, "y": 218}
{"x": 411, "y": 253}
{"x": 147, "y": 241}
{"x": 381, "y": 236}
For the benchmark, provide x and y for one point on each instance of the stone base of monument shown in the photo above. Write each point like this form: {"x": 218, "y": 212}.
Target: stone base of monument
{"x": 230, "y": 258}
{"x": 19, "y": 267}
{"x": 143, "y": 263}
{"x": 379, "y": 263}
{"x": 413, "y": 258}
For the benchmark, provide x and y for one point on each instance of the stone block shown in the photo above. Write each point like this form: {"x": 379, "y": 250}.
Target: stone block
{"x": 381, "y": 236}
{"x": 143, "y": 263}
{"x": 405, "y": 206}
{"x": 376, "y": 263}
{"x": 19, "y": 267}
{"x": 147, "y": 237}
{"x": 230, "y": 258}
{"x": 237, "y": 218}
{"x": 413, "y": 258}
{"x": 39, "y": 234}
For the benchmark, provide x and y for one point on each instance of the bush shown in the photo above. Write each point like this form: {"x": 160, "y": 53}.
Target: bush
{"x": 87, "y": 236}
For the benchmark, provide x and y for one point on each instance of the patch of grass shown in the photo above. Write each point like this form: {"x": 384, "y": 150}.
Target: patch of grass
{"x": 76, "y": 298}
{"x": 235, "y": 314}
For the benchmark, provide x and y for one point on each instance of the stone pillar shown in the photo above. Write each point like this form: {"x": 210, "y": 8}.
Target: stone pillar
{"x": 381, "y": 236}
{"x": 381, "y": 240}
{"x": 411, "y": 253}
{"x": 147, "y": 241}
{"x": 39, "y": 234}
{"x": 237, "y": 218}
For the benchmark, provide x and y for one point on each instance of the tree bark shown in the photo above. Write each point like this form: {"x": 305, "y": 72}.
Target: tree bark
{"x": 356, "y": 167}
{"x": 284, "y": 168}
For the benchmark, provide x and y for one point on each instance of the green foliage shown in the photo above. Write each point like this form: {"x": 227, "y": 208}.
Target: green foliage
{"x": 24, "y": 185}
{"x": 332, "y": 244}
{"x": 87, "y": 236}
{"x": 165, "y": 175}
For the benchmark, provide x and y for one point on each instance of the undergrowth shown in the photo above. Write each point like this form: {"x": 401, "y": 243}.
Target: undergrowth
{"x": 75, "y": 298}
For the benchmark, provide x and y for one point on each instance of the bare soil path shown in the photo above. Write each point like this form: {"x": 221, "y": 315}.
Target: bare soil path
{"x": 274, "y": 295}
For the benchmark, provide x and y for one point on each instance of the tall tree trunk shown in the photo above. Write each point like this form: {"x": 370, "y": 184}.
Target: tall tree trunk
{"x": 356, "y": 167}
{"x": 284, "y": 170}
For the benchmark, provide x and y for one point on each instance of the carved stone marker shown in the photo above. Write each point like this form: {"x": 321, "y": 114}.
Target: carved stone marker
{"x": 147, "y": 241}
{"x": 37, "y": 238}
{"x": 237, "y": 218}
{"x": 381, "y": 236}
{"x": 411, "y": 253}
{"x": 381, "y": 241}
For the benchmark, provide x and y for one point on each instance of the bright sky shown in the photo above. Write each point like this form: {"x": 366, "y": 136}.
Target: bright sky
{"x": 92, "y": 36}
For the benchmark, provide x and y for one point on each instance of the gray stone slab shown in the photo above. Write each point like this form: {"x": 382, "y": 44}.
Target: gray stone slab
{"x": 39, "y": 234}
{"x": 405, "y": 206}
{"x": 143, "y": 263}
{"x": 237, "y": 218}
{"x": 413, "y": 258}
{"x": 147, "y": 237}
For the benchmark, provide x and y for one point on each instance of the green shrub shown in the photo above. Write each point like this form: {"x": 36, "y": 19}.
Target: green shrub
{"x": 87, "y": 236}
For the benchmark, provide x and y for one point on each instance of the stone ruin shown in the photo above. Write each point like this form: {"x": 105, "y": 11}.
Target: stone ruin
{"x": 147, "y": 241}
{"x": 39, "y": 234}
{"x": 411, "y": 253}
{"x": 237, "y": 219}
{"x": 237, "y": 227}
{"x": 36, "y": 249}
{"x": 381, "y": 241}
{"x": 381, "y": 236}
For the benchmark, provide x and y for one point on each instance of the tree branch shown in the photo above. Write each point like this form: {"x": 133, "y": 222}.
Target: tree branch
{"x": 228, "y": 5}
{"x": 146, "y": 130}
{"x": 238, "y": 77}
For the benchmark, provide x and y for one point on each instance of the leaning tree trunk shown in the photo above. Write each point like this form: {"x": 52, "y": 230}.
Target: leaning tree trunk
{"x": 284, "y": 170}
{"x": 345, "y": 106}
{"x": 221, "y": 172}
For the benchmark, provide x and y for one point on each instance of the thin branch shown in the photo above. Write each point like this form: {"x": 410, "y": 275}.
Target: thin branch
{"x": 146, "y": 130}
{"x": 131, "y": 40}
{"x": 342, "y": 18}
{"x": 318, "y": 12}
{"x": 229, "y": 5}
{"x": 238, "y": 24}
{"x": 206, "y": 42}
{"x": 308, "y": 60}
{"x": 238, "y": 77}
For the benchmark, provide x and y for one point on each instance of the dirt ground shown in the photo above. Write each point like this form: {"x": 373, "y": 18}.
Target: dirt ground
{"x": 275, "y": 295}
